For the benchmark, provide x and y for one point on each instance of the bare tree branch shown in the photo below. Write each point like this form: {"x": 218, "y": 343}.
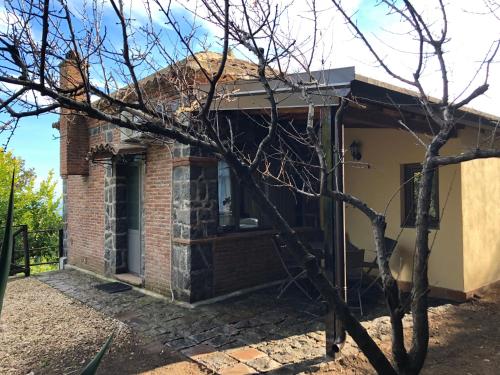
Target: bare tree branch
{"x": 466, "y": 156}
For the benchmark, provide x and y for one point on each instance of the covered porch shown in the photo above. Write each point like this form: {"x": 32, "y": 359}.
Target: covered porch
{"x": 376, "y": 147}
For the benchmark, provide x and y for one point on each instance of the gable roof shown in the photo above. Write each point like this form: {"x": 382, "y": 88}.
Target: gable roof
{"x": 188, "y": 74}
{"x": 208, "y": 63}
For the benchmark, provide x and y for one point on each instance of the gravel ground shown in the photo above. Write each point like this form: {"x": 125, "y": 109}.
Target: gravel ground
{"x": 44, "y": 332}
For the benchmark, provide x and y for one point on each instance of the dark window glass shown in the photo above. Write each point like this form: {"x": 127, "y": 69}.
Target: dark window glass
{"x": 411, "y": 174}
{"x": 238, "y": 211}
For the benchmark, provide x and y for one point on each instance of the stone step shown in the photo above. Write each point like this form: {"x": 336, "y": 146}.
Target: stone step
{"x": 129, "y": 278}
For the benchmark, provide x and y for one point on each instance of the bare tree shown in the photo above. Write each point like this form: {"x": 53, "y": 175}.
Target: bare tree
{"x": 40, "y": 35}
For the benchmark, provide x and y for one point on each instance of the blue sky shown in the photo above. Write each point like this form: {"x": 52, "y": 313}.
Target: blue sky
{"x": 369, "y": 16}
{"x": 36, "y": 142}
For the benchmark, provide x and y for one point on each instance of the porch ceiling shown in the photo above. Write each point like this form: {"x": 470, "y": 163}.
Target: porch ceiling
{"x": 358, "y": 115}
{"x": 376, "y": 116}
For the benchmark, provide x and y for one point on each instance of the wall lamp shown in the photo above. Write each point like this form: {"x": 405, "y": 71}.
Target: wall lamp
{"x": 355, "y": 149}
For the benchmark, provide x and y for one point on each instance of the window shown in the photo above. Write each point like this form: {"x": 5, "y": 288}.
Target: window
{"x": 410, "y": 177}
{"x": 237, "y": 210}
{"x": 225, "y": 197}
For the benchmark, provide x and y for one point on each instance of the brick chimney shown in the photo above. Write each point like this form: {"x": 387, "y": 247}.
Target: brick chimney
{"x": 74, "y": 138}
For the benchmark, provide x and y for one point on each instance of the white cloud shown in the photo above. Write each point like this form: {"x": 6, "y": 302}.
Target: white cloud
{"x": 470, "y": 36}
{"x": 471, "y": 30}
{"x": 30, "y": 97}
{"x": 6, "y": 19}
{"x": 138, "y": 11}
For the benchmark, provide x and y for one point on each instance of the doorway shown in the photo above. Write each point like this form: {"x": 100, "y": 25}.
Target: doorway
{"x": 134, "y": 188}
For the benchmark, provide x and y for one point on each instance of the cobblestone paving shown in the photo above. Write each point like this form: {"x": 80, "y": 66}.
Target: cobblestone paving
{"x": 250, "y": 334}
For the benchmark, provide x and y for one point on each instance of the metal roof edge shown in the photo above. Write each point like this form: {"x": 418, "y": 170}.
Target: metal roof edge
{"x": 415, "y": 94}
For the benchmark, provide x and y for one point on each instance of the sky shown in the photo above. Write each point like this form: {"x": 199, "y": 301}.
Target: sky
{"x": 37, "y": 142}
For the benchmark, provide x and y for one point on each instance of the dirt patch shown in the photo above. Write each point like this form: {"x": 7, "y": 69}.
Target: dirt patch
{"x": 44, "y": 332}
{"x": 464, "y": 339}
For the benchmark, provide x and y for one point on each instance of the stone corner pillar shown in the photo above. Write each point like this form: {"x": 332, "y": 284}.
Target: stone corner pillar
{"x": 194, "y": 223}
{"x": 115, "y": 229}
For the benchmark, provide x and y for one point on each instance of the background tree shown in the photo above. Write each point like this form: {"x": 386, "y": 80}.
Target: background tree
{"x": 40, "y": 34}
{"x": 37, "y": 204}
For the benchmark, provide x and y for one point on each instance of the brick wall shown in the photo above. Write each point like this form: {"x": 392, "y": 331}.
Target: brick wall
{"x": 85, "y": 219}
{"x": 244, "y": 260}
{"x": 85, "y": 212}
{"x": 157, "y": 218}
{"x": 211, "y": 267}
{"x": 74, "y": 145}
{"x": 237, "y": 261}
{"x": 72, "y": 126}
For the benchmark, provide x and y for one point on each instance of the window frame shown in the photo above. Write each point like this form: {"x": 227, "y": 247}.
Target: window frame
{"x": 237, "y": 193}
{"x": 232, "y": 196}
{"x": 236, "y": 198}
{"x": 408, "y": 199}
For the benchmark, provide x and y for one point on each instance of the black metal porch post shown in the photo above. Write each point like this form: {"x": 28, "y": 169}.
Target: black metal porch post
{"x": 332, "y": 215}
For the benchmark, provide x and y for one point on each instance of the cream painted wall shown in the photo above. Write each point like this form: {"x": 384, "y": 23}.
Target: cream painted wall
{"x": 385, "y": 150}
{"x": 481, "y": 217}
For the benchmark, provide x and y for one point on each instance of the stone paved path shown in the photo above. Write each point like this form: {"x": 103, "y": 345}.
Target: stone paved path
{"x": 245, "y": 335}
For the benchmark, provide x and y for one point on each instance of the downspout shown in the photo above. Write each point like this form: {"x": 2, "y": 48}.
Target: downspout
{"x": 332, "y": 214}
{"x": 339, "y": 215}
